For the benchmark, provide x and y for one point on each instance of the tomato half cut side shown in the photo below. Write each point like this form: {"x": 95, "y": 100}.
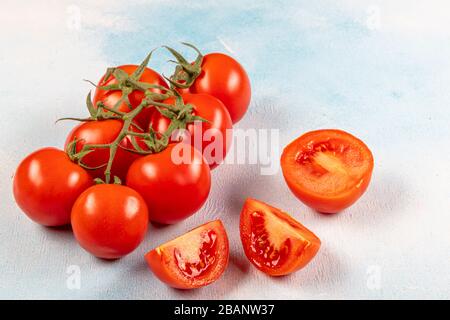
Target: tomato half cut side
{"x": 328, "y": 170}
{"x": 193, "y": 260}
{"x": 273, "y": 241}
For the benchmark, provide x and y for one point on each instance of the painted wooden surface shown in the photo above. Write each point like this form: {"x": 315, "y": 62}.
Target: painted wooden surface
{"x": 378, "y": 69}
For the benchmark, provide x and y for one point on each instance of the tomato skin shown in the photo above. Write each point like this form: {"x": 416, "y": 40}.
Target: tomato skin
{"x": 46, "y": 184}
{"x": 162, "y": 260}
{"x": 103, "y": 132}
{"x": 172, "y": 191}
{"x": 224, "y": 78}
{"x": 109, "y": 220}
{"x": 110, "y": 97}
{"x": 302, "y": 247}
{"x": 219, "y": 124}
{"x": 327, "y": 202}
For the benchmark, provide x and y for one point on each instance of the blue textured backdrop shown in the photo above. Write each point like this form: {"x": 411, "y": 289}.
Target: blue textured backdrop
{"x": 379, "y": 69}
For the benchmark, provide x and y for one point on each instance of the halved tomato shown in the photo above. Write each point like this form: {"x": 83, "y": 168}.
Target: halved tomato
{"x": 193, "y": 260}
{"x": 273, "y": 241}
{"x": 328, "y": 170}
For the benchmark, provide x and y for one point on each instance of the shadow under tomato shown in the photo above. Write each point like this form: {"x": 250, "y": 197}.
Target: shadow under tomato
{"x": 240, "y": 262}
{"x": 230, "y": 281}
{"x": 158, "y": 225}
{"x": 60, "y": 233}
{"x": 385, "y": 194}
{"x": 325, "y": 268}
{"x": 108, "y": 261}
{"x": 64, "y": 228}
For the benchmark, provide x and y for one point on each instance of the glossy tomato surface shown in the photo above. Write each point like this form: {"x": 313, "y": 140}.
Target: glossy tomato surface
{"x": 224, "y": 78}
{"x": 193, "y": 260}
{"x": 104, "y": 132}
{"x": 273, "y": 241}
{"x": 328, "y": 170}
{"x": 110, "y": 97}
{"x": 109, "y": 220}
{"x": 46, "y": 184}
{"x": 174, "y": 188}
{"x": 214, "y": 137}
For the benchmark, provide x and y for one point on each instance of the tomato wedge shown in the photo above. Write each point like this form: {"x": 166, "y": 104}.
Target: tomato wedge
{"x": 328, "y": 170}
{"x": 273, "y": 241}
{"x": 193, "y": 260}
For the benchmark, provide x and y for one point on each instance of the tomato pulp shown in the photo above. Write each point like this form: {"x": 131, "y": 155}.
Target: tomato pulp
{"x": 328, "y": 170}
{"x": 273, "y": 241}
{"x": 192, "y": 260}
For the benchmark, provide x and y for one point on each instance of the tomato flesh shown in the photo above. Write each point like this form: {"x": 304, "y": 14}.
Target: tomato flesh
{"x": 193, "y": 260}
{"x": 273, "y": 241}
{"x": 266, "y": 252}
{"x": 195, "y": 267}
{"x": 327, "y": 169}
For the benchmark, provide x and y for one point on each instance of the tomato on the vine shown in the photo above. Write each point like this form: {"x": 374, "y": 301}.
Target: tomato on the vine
{"x": 193, "y": 260}
{"x": 224, "y": 78}
{"x": 109, "y": 220}
{"x": 213, "y": 137}
{"x": 273, "y": 241}
{"x": 328, "y": 170}
{"x": 104, "y": 132}
{"x": 46, "y": 184}
{"x": 111, "y": 97}
{"x": 174, "y": 183}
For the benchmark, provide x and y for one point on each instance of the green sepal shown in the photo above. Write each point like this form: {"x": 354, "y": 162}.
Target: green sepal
{"x": 136, "y": 75}
{"x": 117, "y": 180}
{"x": 90, "y": 106}
{"x": 120, "y": 75}
{"x": 166, "y": 113}
{"x": 99, "y": 181}
{"x": 108, "y": 73}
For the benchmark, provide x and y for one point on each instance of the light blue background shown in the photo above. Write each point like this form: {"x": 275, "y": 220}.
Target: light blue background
{"x": 378, "y": 69}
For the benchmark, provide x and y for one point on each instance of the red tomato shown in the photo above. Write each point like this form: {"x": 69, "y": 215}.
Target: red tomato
{"x": 110, "y": 97}
{"x": 109, "y": 220}
{"x": 214, "y": 137}
{"x": 328, "y": 170}
{"x": 103, "y": 132}
{"x": 273, "y": 241}
{"x": 192, "y": 260}
{"x": 172, "y": 190}
{"x": 46, "y": 185}
{"x": 224, "y": 78}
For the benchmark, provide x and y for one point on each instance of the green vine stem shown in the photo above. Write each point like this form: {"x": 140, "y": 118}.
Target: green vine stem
{"x": 185, "y": 72}
{"x": 180, "y": 115}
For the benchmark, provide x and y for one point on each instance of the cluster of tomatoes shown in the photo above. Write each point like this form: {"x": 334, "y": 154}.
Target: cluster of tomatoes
{"x": 120, "y": 169}
{"x": 117, "y": 170}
